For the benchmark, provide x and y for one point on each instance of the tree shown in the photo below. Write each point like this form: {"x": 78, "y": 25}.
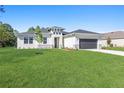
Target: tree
{"x": 31, "y": 29}
{"x": 108, "y": 41}
{"x": 38, "y": 35}
{"x": 15, "y": 32}
{"x": 7, "y": 37}
{"x": 4, "y": 36}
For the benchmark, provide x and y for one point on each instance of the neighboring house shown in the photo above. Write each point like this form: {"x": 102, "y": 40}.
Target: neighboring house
{"x": 56, "y": 37}
{"x": 117, "y": 38}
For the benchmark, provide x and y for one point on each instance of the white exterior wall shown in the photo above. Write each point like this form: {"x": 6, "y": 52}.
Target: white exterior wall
{"x": 71, "y": 42}
{"x": 103, "y": 43}
{"x": 115, "y": 42}
{"x": 21, "y": 45}
{"x": 99, "y": 44}
{"x": 48, "y": 45}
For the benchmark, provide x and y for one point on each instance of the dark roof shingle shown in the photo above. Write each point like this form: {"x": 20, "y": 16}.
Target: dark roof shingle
{"x": 83, "y": 31}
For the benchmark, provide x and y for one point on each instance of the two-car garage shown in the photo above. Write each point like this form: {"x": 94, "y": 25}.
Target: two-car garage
{"x": 87, "y": 43}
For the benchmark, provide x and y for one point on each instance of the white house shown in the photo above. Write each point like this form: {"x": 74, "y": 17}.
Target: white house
{"x": 117, "y": 38}
{"x": 56, "y": 37}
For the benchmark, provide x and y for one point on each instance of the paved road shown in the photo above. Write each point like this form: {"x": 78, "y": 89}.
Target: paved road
{"x": 120, "y": 53}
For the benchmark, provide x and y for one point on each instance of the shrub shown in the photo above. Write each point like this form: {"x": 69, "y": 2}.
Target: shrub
{"x": 109, "y": 41}
{"x": 111, "y": 45}
{"x": 103, "y": 47}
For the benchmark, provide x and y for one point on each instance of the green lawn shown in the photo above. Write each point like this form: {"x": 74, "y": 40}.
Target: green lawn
{"x": 115, "y": 48}
{"x": 59, "y": 68}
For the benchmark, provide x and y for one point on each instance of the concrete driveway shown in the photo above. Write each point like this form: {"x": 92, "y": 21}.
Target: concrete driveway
{"x": 114, "y": 52}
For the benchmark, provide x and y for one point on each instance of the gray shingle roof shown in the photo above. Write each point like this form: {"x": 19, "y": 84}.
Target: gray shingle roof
{"x": 27, "y": 33}
{"x": 83, "y": 31}
{"x": 44, "y": 30}
{"x": 57, "y": 27}
{"x": 114, "y": 35}
{"x": 64, "y": 33}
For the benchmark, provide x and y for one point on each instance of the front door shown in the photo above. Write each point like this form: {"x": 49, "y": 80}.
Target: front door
{"x": 56, "y": 42}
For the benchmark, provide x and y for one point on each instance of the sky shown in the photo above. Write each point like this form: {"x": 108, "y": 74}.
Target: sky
{"x": 92, "y": 18}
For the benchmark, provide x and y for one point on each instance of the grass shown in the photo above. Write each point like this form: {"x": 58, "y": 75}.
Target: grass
{"x": 55, "y": 68}
{"x": 115, "y": 48}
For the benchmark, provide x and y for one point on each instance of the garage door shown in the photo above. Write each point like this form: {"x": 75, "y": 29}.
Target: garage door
{"x": 87, "y": 43}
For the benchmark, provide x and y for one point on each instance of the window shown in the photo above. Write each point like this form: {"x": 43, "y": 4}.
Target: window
{"x": 45, "y": 40}
{"x": 25, "y": 40}
{"x": 60, "y": 33}
{"x": 30, "y": 40}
